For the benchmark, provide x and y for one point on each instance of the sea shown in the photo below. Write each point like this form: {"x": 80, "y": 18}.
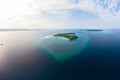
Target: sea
{"x": 36, "y": 54}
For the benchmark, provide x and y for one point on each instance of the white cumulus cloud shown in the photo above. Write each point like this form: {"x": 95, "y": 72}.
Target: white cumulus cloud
{"x": 12, "y": 8}
{"x": 17, "y": 12}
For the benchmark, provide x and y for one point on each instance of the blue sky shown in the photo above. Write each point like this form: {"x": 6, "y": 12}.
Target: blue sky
{"x": 59, "y": 14}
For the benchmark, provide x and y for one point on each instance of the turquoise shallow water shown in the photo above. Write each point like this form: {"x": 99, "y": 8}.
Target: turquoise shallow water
{"x": 61, "y": 48}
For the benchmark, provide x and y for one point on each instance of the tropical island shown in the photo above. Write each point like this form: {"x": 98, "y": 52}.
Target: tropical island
{"x": 70, "y": 36}
{"x": 63, "y": 45}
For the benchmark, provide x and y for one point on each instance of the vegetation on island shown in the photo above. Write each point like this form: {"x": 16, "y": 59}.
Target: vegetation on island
{"x": 70, "y": 36}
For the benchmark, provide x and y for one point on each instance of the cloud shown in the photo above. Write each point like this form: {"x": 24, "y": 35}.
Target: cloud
{"x": 102, "y": 8}
{"x": 16, "y": 12}
{"x": 16, "y": 8}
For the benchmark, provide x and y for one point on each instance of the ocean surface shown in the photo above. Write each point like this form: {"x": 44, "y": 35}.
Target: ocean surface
{"x": 38, "y": 55}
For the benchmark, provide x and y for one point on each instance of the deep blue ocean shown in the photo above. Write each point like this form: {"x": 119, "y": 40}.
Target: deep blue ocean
{"x": 99, "y": 60}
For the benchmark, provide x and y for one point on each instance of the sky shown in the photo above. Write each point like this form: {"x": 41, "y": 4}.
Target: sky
{"x": 37, "y": 14}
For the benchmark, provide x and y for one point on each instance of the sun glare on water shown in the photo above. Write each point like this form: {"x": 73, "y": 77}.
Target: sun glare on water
{"x": 13, "y": 44}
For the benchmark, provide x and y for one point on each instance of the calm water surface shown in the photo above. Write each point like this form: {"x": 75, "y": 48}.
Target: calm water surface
{"x": 22, "y": 59}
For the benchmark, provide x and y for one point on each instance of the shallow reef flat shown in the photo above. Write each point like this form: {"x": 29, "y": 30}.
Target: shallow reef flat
{"x": 61, "y": 48}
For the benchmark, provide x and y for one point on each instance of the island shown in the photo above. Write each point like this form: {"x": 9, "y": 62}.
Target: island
{"x": 94, "y": 30}
{"x": 70, "y": 36}
{"x": 63, "y": 46}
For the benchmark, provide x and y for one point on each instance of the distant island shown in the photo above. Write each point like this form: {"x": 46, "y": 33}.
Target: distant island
{"x": 70, "y": 36}
{"x": 20, "y": 29}
{"x": 94, "y": 30}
